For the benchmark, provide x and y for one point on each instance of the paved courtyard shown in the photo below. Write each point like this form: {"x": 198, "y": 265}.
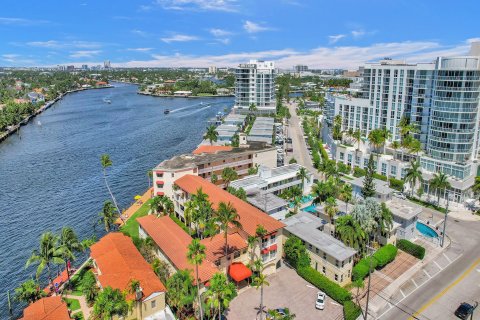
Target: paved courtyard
{"x": 287, "y": 289}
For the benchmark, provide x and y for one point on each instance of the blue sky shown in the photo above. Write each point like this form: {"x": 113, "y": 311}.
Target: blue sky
{"x": 176, "y": 33}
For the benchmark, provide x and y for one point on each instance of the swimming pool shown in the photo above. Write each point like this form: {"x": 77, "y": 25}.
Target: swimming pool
{"x": 310, "y": 208}
{"x": 304, "y": 199}
{"x": 426, "y": 230}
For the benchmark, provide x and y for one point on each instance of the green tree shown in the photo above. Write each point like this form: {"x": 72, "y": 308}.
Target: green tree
{"x": 226, "y": 216}
{"x": 157, "y": 204}
{"x": 259, "y": 282}
{"x": 346, "y": 194}
{"x": 296, "y": 253}
{"x": 181, "y": 292}
{"x": 476, "y": 186}
{"x": 384, "y": 220}
{"x": 439, "y": 183}
{"x": 69, "y": 245}
{"x": 108, "y": 216}
{"x": 275, "y": 315}
{"x": 195, "y": 255}
{"x": 413, "y": 175}
{"x": 214, "y": 178}
{"x": 211, "y": 134}
{"x": 357, "y": 134}
{"x": 368, "y": 189}
{"x": 161, "y": 269}
{"x": 89, "y": 287}
{"x": 302, "y": 174}
{"x": 386, "y": 135}
{"x": 395, "y": 146}
{"x": 106, "y": 163}
{"x": 109, "y": 303}
{"x": 47, "y": 254}
{"x": 220, "y": 294}
{"x": 350, "y": 232}
{"x": 291, "y": 161}
{"x": 331, "y": 208}
{"x": 29, "y": 292}
{"x": 322, "y": 190}
{"x": 376, "y": 138}
{"x": 135, "y": 289}
{"x": 228, "y": 175}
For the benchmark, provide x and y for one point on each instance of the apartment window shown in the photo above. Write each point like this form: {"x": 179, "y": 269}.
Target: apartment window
{"x": 342, "y": 156}
{"x": 324, "y": 270}
{"x": 160, "y": 175}
{"x": 336, "y": 277}
{"x": 384, "y": 169}
{"x": 324, "y": 256}
{"x": 310, "y": 247}
{"x": 154, "y": 304}
{"x": 393, "y": 170}
{"x": 237, "y": 254}
{"x": 341, "y": 278}
{"x": 349, "y": 273}
{"x": 343, "y": 263}
{"x": 316, "y": 266}
{"x": 336, "y": 263}
{"x": 317, "y": 251}
{"x": 173, "y": 174}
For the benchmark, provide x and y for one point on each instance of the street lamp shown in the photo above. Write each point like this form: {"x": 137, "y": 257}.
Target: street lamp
{"x": 445, "y": 220}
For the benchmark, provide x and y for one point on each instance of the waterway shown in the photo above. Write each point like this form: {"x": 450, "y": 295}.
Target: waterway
{"x": 50, "y": 173}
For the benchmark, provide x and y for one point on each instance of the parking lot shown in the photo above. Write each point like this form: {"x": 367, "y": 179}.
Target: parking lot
{"x": 286, "y": 289}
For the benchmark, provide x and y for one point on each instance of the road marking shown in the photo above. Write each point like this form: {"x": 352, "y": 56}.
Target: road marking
{"x": 446, "y": 257}
{"x": 403, "y": 294}
{"x": 425, "y": 271}
{"x": 453, "y": 284}
{"x": 334, "y": 303}
{"x": 311, "y": 286}
{"x": 416, "y": 285}
{"x": 437, "y": 265}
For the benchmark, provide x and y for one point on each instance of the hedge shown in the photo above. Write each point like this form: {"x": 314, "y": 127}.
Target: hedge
{"x": 351, "y": 311}
{"x": 358, "y": 172}
{"x": 380, "y": 176}
{"x": 396, "y": 184}
{"x": 360, "y": 271}
{"x": 385, "y": 255}
{"x": 411, "y": 248}
{"x": 330, "y": 288}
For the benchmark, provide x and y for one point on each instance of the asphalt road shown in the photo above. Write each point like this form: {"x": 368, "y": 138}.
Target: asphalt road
{"x": 440, "y": 296}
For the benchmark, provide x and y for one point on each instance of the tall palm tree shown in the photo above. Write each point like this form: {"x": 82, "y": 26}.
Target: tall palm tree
{"x": 395, "y": 146}
{"x": 415, "y": 146}
{"x": 252, "y": 243}
{"x": 106, "y": 163}
{"x": 135, "y": 289}
{"x": 220, "y": 293}
{"x": 376, "y": 138}
{"x": 195, "y": 255}
{"x": 181, "y": 292}
{"x": 350, "y": 232}
{"x": 211, "y": 134}
{"x": 110, "y": 302}
{"x": 346, "y": 194}
{"x": 150, "y": 178}
{"x": 108, "y": 216}
{"x": 228, "y": 175}
{"x": 259, "y": 282}
{"x": 357, "y": 135}
{"x": 302, "y": 174}
{"x": 47, "y": 254}
{"x": 386, "y": 135}
{"x": 413, "y": 175}
{"x": 69, "y": 244}
{"x": 385, "y": 220}
{"x": 438, "y": 183}
{"x": 157, "y": 204}
{"x": 225, "y": 216}
{"x": 331, "y": 208}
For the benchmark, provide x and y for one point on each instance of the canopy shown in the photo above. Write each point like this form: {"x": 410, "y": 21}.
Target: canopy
{"x": 138, "y": 197}
{"x": 238, "y": 271}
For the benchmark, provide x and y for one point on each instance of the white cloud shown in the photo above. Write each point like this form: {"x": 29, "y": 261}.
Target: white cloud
{"x": 140, "y": 33}
{"x": 220, "y": 32}
{"x": 54, "y": 44}
{"x": 16, "y": 60}
{"x": 252, "y": 27}
{"x": 336, "y": 38}
{"x": 140, "y": 49}
{"x": 84, "y": 53}
{"x": 358, "y": 33}
{"x": 206, "y": 5}
{"x": 20, "y": 21}
{"x": 179, "y": 38}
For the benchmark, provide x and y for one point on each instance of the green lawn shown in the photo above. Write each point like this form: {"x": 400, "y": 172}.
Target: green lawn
{"x": 131, "y": 227}
{"x": 76, "y": 282}
{"x": 73, "y": 304}
{"x": 78, "y": 316}
{"x": 426, "y": 204}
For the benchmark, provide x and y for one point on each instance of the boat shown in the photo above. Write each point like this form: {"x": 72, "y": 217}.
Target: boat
{"x": 107, "y": 100}
{"x": 167, "y": 111}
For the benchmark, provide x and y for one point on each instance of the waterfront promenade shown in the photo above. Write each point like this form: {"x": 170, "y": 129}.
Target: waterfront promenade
{"x": 127, "y": 214}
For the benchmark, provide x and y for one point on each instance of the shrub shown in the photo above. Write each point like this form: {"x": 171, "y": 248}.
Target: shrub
{"x": 411, "y": 248}
{"x": 396, "y": 184}
{"x": 380, "y": 176}
{"x": 360, "y": 271}
{"x": 330, "y": 288}
{"x": 323, "y": 152}
{"x": 343, "y": 168}
{"x": 385, "y": 255}
{"x": 351, "y": 311}
{"x": 358, "y": 172}
{"x": 295, "y": 253}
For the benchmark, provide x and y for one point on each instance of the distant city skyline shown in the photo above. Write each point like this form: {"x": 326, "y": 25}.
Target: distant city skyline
{"x": 223, "y": 33}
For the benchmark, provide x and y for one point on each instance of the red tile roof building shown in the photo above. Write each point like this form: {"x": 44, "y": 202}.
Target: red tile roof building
{"x": 211, "y": 149}
{"x": 49, "y": 308}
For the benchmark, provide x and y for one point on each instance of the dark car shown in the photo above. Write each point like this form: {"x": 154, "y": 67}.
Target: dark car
{"x": 464, "y": 310}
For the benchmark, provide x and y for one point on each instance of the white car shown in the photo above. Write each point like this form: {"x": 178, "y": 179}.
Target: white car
{"x": 320, "y": 303}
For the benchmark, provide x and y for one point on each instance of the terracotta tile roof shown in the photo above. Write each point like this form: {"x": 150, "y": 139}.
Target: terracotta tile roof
{"x": 49, "y": 308}
{"x": 216, "y": 245}
{"x": 211, "y": 149}
{"x": 119, "y": 261}
{"x": 250, "y": 217}
{"x": 173, "y": 241}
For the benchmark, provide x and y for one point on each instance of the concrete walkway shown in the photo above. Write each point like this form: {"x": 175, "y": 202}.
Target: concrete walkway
{"x": 86, "y": 310}
{"x": 135, "y": 206}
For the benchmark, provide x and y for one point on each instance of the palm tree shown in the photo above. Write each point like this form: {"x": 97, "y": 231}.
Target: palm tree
{"x": 69, "y": 244}
{"x": 150, "y": 177}
{"x": 357, "y": 135}
{"x": 110, "y": 302}
{"x": 107, "y": 162}
{"x": 220, "y": 293}
{"x": 395, "y": 146}
{"x": 346, "y": 194}
{"x": 350, "y": 232}
{"x": 214, "y": 178}
{"x": 252, "y": 108}
{"x": 228, "y": 175}
{"x": 359, "y": 285}
{"x": 386, "y": 135}
{"x": 331, "y": 208}
{"x": 168, "y": 206}
{"x": 376, "y": 138}
{"x": 108, "y": 216}
{"x": 227, "y": 215}
{"x": 195, "y": 255}
{"x": 259, "y": 282}
{"x": 135, "y": 289}
{"x": 157, "y": 204}
{"x": 413, "y": 175}
{"x": 211, "y": 134}
{"x": 47, "y": 254}
{"x": 406, "y": 128}
{"x": 181, "y": 292}
{"x": 252, "y": 243}
{"x": 161, "y": 269}
{"x": 303, "y": 175}
{"x": 275, "y": 315}
{"x": 415, "y": 146}
{"x": 29, "y": 292}
{"x": 439, "y": 182}
{"x": 385, "y": 220}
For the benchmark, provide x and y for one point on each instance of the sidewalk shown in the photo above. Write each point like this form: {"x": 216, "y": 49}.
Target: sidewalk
{"x": 134, "y": 207}
{"x": 86, "y": 310}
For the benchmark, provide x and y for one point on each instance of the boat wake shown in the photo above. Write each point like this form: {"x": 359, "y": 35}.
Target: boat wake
{"x": 196, "y": 111}
{"x": 190, "y": 106}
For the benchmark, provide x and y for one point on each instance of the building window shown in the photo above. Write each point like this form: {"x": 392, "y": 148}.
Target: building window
{"x": 236, "y": 254}
{"x": 342, "y": 156}
{"x": 324, "y": 256}
{"x": 336, "y": 263}
{"x": 393, "y": 170}
{"x": 343, "y": 262}
{"x": 324, "y": 270}
{"x": 336, "y": 277}
{"x": 154, "y": 304}
{"x": 341, "y": 278}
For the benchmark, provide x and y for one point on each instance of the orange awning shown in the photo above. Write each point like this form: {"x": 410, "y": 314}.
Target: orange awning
{"x": 238, "y": 271}
{"x": 159, "y": 193}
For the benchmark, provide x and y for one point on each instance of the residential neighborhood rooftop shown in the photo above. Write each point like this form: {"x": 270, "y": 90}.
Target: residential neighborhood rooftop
{"x": 404, "y": 209}
{"x": 305, "y": 226}
{"x": 48, "y": 308}
{"x": 381, "y": 187}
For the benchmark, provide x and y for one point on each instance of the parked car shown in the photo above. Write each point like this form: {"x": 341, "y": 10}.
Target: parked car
{"x": 320, "y": 302}
{"x": 465, "y": 310}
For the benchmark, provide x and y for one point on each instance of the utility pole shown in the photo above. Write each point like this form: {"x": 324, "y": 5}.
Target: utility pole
{"x": 445, "y": 219}
{"x": 369, "y": 277}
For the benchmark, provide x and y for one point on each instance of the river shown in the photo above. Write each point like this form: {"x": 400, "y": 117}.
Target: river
{"x": 50, "y": 174}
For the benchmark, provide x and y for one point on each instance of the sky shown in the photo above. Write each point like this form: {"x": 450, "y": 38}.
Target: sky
{"x": 200, "y": 33}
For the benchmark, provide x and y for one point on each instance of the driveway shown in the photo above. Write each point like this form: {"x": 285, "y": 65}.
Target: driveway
{"x": 286, "y": 289}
